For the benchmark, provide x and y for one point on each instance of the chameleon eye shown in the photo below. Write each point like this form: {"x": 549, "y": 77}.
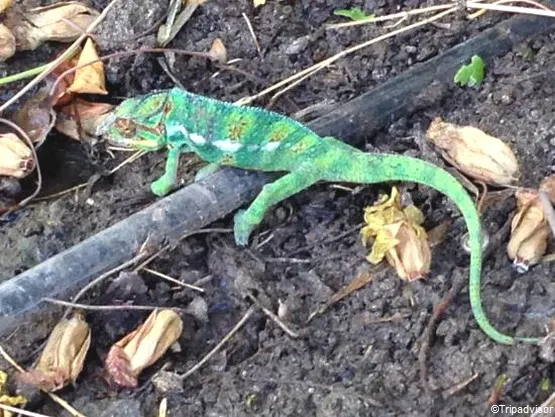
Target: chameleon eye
{"x": 126, "y": 127}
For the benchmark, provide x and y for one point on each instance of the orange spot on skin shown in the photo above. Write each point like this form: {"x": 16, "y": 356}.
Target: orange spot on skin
{"x": 226, "y": 160}
{"x": 237, "y": 130}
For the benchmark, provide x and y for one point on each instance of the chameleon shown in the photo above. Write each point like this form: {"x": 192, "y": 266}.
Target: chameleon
{"x": 225, "y": 134}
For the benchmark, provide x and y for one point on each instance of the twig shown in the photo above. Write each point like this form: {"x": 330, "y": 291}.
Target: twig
{"x": 546, "y": 405}
{"x": 251, "y": 30}
{"x": 226, "y": 338}
{"x": 326, "y": 62}
{"x": 67, "y": 53}
{"x": 427, "y": 335}
{"x": 36, "y": 160}
{"x": 171, "y": 279}
{"x": 394, "y": 16}
{"x": 103, "y": 308}
{"x": 142, "y": 254}
{"x": 272, "y": 316}
{"x": 58, "y": 400}
{"x": 482, "y": 11}
{"x": 510, "y": 9}
{"x": 182, "y": 237}
{"x": 20, "y": 411}
{"x": 461, "y": 385}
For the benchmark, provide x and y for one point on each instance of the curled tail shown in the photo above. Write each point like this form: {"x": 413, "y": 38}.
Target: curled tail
{"x": 374, "y": 168}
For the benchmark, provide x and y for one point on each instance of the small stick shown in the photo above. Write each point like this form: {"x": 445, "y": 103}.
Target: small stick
{"x": 58, "y": 400}
{"x": 272, "y": 316}
{"x": 226, "y": 338}
{"x": 142, "y": 254}
{"x": 510, "y": 9}
{"x": 533, "y": 3}
{"x": 103, "y": 308}
{"x": 21, "y": 411}
{"x": 171, "y": 279}
{"x": 326, "y": 62}
{"x": 251, "y": 30}
{"x": 182, "y": 237}
{"x": 452, "y": 391}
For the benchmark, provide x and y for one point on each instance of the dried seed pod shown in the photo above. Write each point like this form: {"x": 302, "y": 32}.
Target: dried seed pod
{"x": 142, "y": 347}
{"x": 16, "y": 158}
{"x": 474, "y": 152}
{"x": 63, "y": 357}
{"x": 529, "y": 231}
{"x": 399, "y": 237}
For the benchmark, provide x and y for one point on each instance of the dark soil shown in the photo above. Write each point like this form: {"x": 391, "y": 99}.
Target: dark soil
{"x": 346, "y": 362}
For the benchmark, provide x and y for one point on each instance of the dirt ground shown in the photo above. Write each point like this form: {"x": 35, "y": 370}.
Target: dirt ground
{"x": 360, "y": 357}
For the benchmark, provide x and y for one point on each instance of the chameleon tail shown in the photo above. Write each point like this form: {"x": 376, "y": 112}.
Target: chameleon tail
{"x": 374, "y": 168}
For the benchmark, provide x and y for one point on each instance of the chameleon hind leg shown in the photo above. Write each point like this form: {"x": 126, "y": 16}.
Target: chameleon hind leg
{"x": 166, "y": 182}
{"x": 271, "y": 194}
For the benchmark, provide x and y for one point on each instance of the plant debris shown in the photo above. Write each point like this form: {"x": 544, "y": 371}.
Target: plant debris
{"x": 63, "y": 357}
{"x": 142, "y": 347}
{"x": 399, "y": 236}
{"x": 6, "y": 399}
{"x": 356, "y": 13}
{"x": 471, "y": 74}
{"x": 529, "y": 231}
{"x": 16, "y": 159}
{"x": 475, "y": 153}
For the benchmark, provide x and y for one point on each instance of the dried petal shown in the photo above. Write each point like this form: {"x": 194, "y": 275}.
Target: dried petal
{"x": 398, "y": 237}
{"x": 218, "y": 52}
{"x": 16, "y": 158}
{"x": 89, "y": 79}
{"x": 7, "y": 43}
{"x": 142, "y": 347}
{"x": 63, "y": 357}
{"x": 6, "y": 4}
{"x": 529, "y": 231}
{"x": 81, "y": 117}
{"x": 36, "y": 117}
{"x": 474, "y": 152}
{"x": 62, "y": 22}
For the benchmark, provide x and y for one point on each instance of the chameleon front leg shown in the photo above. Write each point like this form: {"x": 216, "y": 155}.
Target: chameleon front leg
{"x": 206, "y": 171}
{"x": 273, "y": 193}
{"x": 166, "y": 182}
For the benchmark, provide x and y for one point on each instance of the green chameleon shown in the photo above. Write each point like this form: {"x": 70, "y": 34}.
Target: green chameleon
{"x": 224, "y": 134}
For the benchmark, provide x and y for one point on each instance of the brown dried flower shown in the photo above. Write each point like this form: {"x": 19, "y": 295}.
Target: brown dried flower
{"x": 474, "y": 152}
{"x": 529, "y": 231}
{"x": 399, "y": 237}
{"x": 16, "y": 158}
{"x": 62, "y": 359}
{"x": 142, "y": 347}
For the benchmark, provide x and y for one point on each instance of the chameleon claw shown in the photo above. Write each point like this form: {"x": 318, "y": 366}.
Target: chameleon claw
{"x": 241, "y": 228}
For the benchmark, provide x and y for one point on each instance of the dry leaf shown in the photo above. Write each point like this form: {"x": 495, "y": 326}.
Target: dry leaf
{"x": 80, "y": 117}
{"x": 63, "y": 357}
{"x": 36, "y": 117}
{"x": 7, "y": 43}
{"x": 547, "y": 186}
{"x": 62, "y": 22}
{"x": 258, "y": 3}
{"x": 89, "y": 79}
{"x": 529, "y": 231}
{"x": 16, "y": 159}
{"x": 398, "y": 236}
{"x": 142, "y": 347}
{"x": 474, "y": 152}
{"x": 218, "y": 52}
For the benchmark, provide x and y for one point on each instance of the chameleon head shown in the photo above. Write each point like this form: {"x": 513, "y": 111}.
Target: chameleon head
{"x": 138, "y": 123}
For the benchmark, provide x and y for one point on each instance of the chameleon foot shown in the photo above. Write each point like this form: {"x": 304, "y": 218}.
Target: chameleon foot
{"x": 242, "y": 228}
{"x": 161, "y": 187}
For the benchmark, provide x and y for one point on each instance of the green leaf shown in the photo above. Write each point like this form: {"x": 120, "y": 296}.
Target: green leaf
{"x": 471, "y": 74}
{"x": 355, "y": 14}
